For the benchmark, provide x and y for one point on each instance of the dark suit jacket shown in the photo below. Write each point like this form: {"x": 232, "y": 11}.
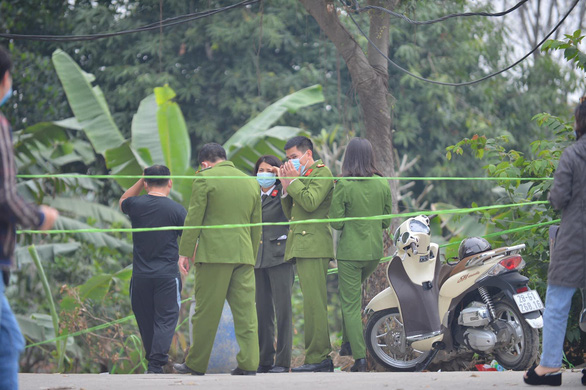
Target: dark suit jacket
{"x": 272, "y": 250}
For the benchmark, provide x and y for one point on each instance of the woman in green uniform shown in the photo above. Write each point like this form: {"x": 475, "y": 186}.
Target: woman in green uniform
{"x": 360, "y": 246}
{"x": 274, "y": 276}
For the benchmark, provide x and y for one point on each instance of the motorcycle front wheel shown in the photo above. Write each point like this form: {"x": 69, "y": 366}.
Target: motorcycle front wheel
{"x": 386, "y": 342}
{"x": 520, "y": 350}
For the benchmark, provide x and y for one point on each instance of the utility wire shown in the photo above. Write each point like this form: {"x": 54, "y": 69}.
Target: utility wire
{"x": 149, "y": 27}
{"x": 468, "y": 82}
{"x": 359, "y": 9}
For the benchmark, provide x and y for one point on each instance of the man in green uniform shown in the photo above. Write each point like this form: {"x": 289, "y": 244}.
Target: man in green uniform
{"x": 224, "y": 260}
{"x": 310, "y": 246}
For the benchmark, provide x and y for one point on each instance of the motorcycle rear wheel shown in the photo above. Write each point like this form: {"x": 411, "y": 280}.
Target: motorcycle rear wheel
{"x": 386, "y": 342}
{"x": 520, "y": 351}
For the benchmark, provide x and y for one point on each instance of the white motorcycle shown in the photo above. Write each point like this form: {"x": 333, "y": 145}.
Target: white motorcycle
{"x": 481, "y": 304}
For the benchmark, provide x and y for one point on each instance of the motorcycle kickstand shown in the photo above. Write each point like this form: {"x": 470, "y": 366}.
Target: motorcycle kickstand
{"x": 437, "y": 346}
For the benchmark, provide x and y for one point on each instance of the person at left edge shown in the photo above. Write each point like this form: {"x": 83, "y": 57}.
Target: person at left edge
{"x": 224, "y": 260}
{"x": 14, "y": 210}
{"x": 155, "y": 287}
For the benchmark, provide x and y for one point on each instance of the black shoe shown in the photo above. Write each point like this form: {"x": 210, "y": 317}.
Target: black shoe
{"x": 359, "y": 366}
{"x": 154, "y": 369}
{"x": 554, "y": 379}
{"x": 239, "y": 371}
{"x": 584, "y": 376}
{"x": 326, "y": 365}
{"x": 278, "y": 370}
{"x": 346, "y": 349}
{"x": 263, "y": 369}
{"x": 182, "y": 368}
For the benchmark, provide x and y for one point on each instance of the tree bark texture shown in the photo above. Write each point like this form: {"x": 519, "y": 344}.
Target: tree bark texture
{"x": 369, "y": 73}
{"x": 369, "y": 76}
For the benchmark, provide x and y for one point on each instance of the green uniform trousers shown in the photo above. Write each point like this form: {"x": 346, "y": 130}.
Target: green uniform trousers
{"x": 351, "y": 275}
{"x": 215, "y": 283}
{"x": 312, "y": 278}
{"x": 273, "y": 299}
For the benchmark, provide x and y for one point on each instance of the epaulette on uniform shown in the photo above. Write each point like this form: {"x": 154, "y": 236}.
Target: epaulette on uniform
{"x": 201, "y": 170}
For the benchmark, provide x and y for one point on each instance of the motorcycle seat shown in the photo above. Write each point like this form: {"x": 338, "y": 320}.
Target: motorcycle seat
{"x": 445, "y": 272}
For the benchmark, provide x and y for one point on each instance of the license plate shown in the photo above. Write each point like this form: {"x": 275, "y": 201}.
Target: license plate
{"x": 528, "y": 301}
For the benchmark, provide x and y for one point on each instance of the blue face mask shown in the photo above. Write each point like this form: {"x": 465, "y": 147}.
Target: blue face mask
{"x": 6, "y": 97}
{"x": 266, "y": 179}
{"x": 297, "y": 164}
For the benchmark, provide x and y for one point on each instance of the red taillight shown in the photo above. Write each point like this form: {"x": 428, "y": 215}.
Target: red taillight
{"x": 522, "y": 289}
{"x": 512, "y": 262}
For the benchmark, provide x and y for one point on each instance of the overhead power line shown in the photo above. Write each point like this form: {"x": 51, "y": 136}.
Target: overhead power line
{"x": 149, "y": 27}
{"x": 468, "y": 82}
{"x": 359, "y": 9}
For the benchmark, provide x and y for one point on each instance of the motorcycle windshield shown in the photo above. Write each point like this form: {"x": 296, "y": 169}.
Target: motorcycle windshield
{"x": 418, "y": 227}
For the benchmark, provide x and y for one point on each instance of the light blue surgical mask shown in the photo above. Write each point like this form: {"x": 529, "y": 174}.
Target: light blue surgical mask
{"x": 297, "y": 164}
{"x": 266, "y": 179}
{"x": 6, "y": 97}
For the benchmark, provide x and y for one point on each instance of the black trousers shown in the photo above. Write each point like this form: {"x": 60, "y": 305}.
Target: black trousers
{"x": 273, "y": 299}
{"x": 156, "y": 302}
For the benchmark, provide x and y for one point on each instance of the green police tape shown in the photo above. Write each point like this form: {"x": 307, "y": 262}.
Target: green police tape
{"x": 98, "y": 327}
{"x": 330, "y": 271}
{"x": 178, "y": 177}
{"x": 304, "y": 222}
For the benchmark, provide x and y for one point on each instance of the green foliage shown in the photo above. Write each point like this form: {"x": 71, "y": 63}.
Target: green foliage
{"x": 533, "y": 168}
{"x": 428, "y": 118}
{"x": 258, "y": 138}
{"x": 570, "y": 47}
{"x": 60, "y": 345}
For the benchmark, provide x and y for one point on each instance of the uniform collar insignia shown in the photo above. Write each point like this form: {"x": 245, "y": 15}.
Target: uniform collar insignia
{"x": 275, "y": 192}
{"x": 308, "y": 172}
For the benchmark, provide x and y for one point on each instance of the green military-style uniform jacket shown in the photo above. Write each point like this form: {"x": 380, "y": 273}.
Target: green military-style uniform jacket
{"x": 309, "y": 199}
{"x": 272, "y": 244}
{"x": 220, "y": 202}
{"x": 360, "y": 239}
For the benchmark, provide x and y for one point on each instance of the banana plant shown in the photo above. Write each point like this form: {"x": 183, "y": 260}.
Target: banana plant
{"x": 159, "y": 132}
{"x": 257, "y": 137}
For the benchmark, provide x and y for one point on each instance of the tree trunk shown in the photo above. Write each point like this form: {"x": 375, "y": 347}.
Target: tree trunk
{"x": 369, "y": 73}
{"x": 369, "y": 76}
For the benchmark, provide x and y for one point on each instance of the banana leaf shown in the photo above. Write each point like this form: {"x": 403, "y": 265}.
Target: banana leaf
{"x": 99, "y": 240}
{"x": 82, "y": 208}
{"x": 257, "y": 137}
{"x": 87, "y": 103}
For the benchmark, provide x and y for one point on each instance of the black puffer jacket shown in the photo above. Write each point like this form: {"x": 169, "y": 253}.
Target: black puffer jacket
{"x": 568, "y": 194}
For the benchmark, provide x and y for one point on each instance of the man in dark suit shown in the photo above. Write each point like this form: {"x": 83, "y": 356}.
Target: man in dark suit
{"x": 274, "y": 276}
